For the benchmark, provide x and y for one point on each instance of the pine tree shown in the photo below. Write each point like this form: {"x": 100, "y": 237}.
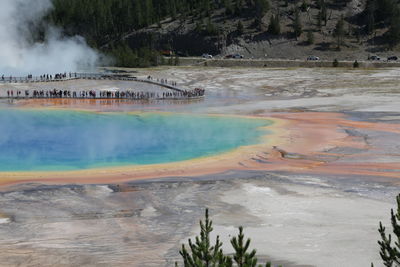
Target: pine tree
{"x": 339, "y": 32}
{"x": 202, "y": 253}
{"x": 370, "y": 9}
{"x": 297, "y": 27}
{"x": 324, "y": 13}
{"x": 310, "y": 37}
{"x": 239, "y": 28}
{"x": 274, "y": 26}
{"x": 335, "y": 63}
{"x": 389, "y": 253}
{"x": 241, "y": 256}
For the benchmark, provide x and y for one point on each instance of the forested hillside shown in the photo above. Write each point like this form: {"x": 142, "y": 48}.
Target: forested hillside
{"x": 135, "y": 31}
{"x": 103, "y": 20}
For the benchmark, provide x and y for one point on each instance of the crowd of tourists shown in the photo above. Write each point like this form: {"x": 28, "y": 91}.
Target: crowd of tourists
{"x": 43, "y": 77}
{"x": 108, "y": 94}
{"x": 162, "y": 81}
{"x": 65, "y": 76}
{"x": 173, "y": 93}
{"x": 57, "y": 76}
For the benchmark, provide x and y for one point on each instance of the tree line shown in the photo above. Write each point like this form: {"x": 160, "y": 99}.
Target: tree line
{"x": 106, "y": 24}
{"x": 101, "y": 21}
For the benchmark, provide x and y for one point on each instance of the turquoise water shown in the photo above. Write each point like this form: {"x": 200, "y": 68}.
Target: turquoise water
{"x": 56, "y": 140}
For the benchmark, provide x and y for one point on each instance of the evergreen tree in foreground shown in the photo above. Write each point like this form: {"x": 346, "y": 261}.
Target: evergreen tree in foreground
{"x": 203, "y": 254}
{"x": 390, "y": 253}
{"x": 242, "y": 257}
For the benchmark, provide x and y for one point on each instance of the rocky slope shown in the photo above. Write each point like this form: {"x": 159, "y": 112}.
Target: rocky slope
{"x": 188, "y": 36}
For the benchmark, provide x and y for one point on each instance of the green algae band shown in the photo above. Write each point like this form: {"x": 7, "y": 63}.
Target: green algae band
{"x": 56, "y": 140}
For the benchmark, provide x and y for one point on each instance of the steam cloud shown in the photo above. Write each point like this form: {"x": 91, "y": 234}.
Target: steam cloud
{"x": 19, "y": 55}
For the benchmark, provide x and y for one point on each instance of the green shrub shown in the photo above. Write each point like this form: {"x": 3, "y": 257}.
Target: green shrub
{"x": 335, "y": 63}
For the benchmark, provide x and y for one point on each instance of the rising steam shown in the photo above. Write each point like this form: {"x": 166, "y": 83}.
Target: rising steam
{"x": 19, "y": 55}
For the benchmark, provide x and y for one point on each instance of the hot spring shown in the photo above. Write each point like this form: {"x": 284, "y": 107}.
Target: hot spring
{"x": 61, "y": 140}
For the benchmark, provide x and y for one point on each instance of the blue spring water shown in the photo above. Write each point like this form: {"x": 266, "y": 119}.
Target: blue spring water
{"x": 59, "y": 140}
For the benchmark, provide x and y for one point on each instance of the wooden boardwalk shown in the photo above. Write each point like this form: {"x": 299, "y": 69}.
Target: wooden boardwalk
{"x": 85, "y": 76}
{"x": 176, "y": 93}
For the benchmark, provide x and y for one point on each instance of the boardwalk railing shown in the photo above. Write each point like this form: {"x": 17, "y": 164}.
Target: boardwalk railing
{"x": 178, "y": 93}
{"x": 83, "y": 76}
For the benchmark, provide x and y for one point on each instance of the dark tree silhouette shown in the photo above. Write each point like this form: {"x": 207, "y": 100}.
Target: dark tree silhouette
{"x": 202, "y": 254}
{"x": 390, "y": 252}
